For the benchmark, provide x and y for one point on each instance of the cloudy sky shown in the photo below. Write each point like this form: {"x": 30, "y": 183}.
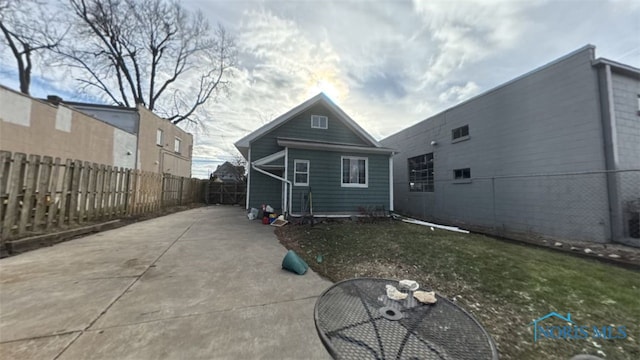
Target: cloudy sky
{"x": 388, "y": 63}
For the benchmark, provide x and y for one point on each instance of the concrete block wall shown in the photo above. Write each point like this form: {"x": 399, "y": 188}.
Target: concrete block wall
{"x": 544, "y": 122}
{"x": 626, "y": 108}
{"x": 626, "y": 105}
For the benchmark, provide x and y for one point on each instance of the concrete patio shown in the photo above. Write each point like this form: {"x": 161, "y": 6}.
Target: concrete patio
{"x": 200, "y": 284}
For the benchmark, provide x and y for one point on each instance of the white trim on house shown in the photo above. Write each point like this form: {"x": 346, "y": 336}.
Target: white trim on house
{"x": 391, "y": 183}
{"x": 285, "y": 205}
{"x": 271, "y": 167}
{"x": 270, "y": 158}
{"x": 248, "y": 180}
{"x": 320, "y": 119}
{"x": 295, "y": 172}
{"x": 366, "y": 172}
{"x": 314, "y": 145}
{"x": 286, "y": 184}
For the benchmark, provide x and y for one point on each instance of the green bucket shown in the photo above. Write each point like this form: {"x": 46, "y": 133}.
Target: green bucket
{"x": 294, "y": 263}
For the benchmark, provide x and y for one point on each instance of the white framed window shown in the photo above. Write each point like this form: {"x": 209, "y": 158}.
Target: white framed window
{"x": 319, "y": 122}
{"x": 159, "y": 137}
{"x": 355, "y": 171}
{"x": 176, "y": 145}
{"x": 301, "y": 172}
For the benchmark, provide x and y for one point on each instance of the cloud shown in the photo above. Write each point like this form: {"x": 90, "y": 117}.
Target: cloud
{"x": 279, "y": 67}
{"x": 388, "y": 64}
{"x": 459, "y": 93}
{"x": 469, "y": 31}
{"x": 288, "y": 57}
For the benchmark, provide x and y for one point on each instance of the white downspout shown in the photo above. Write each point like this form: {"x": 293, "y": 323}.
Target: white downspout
{"x": 248, "y": 180}
{"x": 391, "y": 182}
{"x": 254, "y": 167}
{"x": 286, "y": 185}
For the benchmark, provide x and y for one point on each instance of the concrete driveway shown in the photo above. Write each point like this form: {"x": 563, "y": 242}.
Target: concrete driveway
{"x": 200, "y": 284}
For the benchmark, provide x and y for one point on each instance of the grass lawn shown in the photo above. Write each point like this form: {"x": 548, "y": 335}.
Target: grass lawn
{"x": 504, "y": 285}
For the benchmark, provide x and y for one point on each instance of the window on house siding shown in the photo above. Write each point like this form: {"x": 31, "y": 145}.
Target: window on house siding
{"x": 176, "y": 145}
{"x": 159, "y": 137}
{"x": 421, "y": 173}
{"x": 460, "y": 133}
{"x": 354, "y": 171}
{"x": 301, "y": 172}
{"x": 638, "y": 104}
{"x": 319, "y": 122}
{"x": 462, "y": 174}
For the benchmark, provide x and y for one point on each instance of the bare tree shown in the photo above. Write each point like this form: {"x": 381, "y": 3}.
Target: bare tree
{"x": 149, "y": 52}
{"x": 27, "y": 29}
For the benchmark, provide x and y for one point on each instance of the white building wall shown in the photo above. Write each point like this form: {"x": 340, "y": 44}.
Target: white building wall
{"x": 124, "y": 149}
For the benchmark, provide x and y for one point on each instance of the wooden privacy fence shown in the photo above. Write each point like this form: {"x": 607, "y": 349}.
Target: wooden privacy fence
{"x": 178, "y": 190}
{"x": 226, "y": 193}
{"x": 38, "y": 194}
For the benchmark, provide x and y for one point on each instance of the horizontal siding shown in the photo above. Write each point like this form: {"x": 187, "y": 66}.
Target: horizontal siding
{"x": 325, "y": 182}
{"x": 300, "y": 127}
{"x": 265, "y": 190}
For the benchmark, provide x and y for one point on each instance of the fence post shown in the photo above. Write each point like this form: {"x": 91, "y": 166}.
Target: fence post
{"x": 121, "y": 188}
{"x": 100, "y": 192}
{"x": 91, "y": 208}
{"x": 53, "y": 190}
{"x": 128, "y": 194}
{"x": 75, "y": 191}
{"x": 162, "y": 191}
{"x": 108, "y": 181}
{"x": 5, "y": 165}
{"x": 64, "y": 200}
{"x": 42, "y": 192}
{"x": 33, "y": 165}
{"x": 14, "y": 186}
{"x": 82, "y": 194}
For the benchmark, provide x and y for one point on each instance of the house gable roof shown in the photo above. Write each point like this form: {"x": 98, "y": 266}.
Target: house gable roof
{"x": 228, "y": 169}
{"x": 244, "y": 143}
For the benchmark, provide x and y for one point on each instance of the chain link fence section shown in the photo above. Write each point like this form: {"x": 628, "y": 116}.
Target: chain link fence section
{"x": 565, "y": 206}
{"x": 597, "y": 206}
{"x": 628, "y": 184}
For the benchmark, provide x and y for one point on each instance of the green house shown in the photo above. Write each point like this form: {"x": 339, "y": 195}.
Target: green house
{"x": 315, "y": 159}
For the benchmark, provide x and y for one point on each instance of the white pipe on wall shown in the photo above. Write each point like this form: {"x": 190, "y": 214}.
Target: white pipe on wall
{"x": 290, "y": 186}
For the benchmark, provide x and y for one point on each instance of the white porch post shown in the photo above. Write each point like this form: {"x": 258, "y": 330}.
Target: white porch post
{"x": 248, "y": 179}
{"x": 391, "y": 182}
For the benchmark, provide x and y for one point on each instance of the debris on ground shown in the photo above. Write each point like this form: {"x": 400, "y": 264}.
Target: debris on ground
{"x": 432, "y": 225}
